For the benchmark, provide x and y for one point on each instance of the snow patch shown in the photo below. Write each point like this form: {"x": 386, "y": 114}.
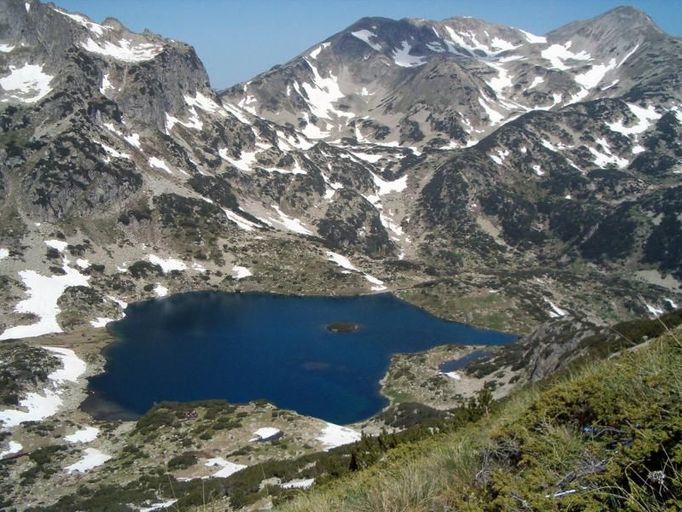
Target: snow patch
{"x": 366, "y": 36}
{"x": 538, "y": 170}
{"x": 168, "y": 264}
{"x": 402, "y": 57}
{"x": 245, "y": 163}
{"x": 226, "y": 468}
{"x": 123, "y": 50}
{"x": 387, "y": 187}
{"x": 161, "y": 505}
{"x": 265, "y": 433}
{"x": 452, "y": 375}
{"x": 367, "y": 157}
{"x": 532, "y": 38}
{"x": 239, "y": 272}
{"x": 113, "y": 152}
{"x": 556, "y": 311}
{"x": 72, "y": 365}
{"x": 4, "y": 253}
{"x": 95, "y": 28}
{"x": 38, "y": 407}
{"x": 502, "y": 81}
{"x": 303, "y": 483}
{"x": 379, "y": 285}
{"x": 290, "y": 223}
{"x": 60, "y": 245}
{"x": 84, "y": 435}
{"x": 240, "y": 221}
{"x": 645, "y": 117}
{"x": 100, "y": 322}
{"x": 500, "y": 156}
{"x": 494, "y": 116}
{"x": 556, "y": 54}
{"x": 341, "y": 261}
{"x": 159, "y": 164}
{"x": 133, "y": 140}
{"x": 333, "y": 435}
{"x": 314, "y": 54}
{"x": 160, "y": 291}
{"x": 12, "y": 448}
{"x": 203, "y": 102}
{"x": 43, "y": 294}
{"x": 536, "y": 81}
{"x": 6, "y": 48}
{"x": 654, "y": 311}
{"x": 593, "y": 77}
{"x": 606, "y": 158}
{"x": 322, "y": 94}
{"x": 106, "y": 85}
{"x": 91, "y": 459}
{"x": 28, "y": 83}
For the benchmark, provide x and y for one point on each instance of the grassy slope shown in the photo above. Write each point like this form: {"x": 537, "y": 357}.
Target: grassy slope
{"x": 606, "y": 437}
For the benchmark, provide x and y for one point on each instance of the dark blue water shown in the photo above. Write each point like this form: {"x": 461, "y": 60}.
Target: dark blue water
{"x": 242, "y": 347}
{"x": 456, "y": 364}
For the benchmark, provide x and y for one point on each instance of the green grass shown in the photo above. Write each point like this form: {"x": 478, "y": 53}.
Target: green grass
{"x": 606, "y": 436}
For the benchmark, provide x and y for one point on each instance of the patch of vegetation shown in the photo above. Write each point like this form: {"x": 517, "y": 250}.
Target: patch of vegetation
{"x": 182, "y": 461}
{"x": 606, "y": 437}
{"x": 22, "y": 366}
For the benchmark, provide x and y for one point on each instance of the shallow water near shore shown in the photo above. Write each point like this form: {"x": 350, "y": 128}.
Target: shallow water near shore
{"x": 243, "y": 347}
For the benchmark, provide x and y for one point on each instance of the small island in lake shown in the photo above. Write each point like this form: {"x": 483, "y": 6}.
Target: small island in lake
{"x": 343, "y": 327}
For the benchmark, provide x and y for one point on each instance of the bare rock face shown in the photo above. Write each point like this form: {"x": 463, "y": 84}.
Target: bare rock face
{"x": 352, "y": 223}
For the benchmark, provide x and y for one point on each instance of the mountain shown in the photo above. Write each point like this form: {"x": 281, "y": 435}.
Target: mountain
{"x": 508, "y": 180}
{"x": 421, "y": 150}
{"x": 449, "y": 83}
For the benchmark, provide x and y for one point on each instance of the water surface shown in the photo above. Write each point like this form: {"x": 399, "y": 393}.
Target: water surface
{"x": 243, "y": 347}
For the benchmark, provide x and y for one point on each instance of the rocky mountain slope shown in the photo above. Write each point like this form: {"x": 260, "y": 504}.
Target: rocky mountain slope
{"x": 515, "y": 181}
{"x": 395, "y": 154}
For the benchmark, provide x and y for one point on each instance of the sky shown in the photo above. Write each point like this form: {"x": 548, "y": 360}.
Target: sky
{"x": 237, "y": 39}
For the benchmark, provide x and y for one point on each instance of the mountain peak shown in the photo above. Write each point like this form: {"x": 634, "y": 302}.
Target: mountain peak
{"x": 629, "y": 16}
{"x": 623, "y": 21}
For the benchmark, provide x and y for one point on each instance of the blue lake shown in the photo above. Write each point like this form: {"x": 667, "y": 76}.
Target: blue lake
{"x": 243, "y": 347}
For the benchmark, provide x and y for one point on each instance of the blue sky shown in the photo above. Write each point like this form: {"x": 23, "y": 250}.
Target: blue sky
{"x": 237, "y": 39}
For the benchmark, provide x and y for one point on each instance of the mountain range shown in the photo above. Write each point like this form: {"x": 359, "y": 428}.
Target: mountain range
{"x": 521, "y": 182}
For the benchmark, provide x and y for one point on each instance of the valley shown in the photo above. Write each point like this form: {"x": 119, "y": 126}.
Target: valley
{"x": 525, "y": 184}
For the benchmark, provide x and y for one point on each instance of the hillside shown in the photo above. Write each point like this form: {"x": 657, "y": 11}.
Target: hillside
{"x": 605, "y": 436}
